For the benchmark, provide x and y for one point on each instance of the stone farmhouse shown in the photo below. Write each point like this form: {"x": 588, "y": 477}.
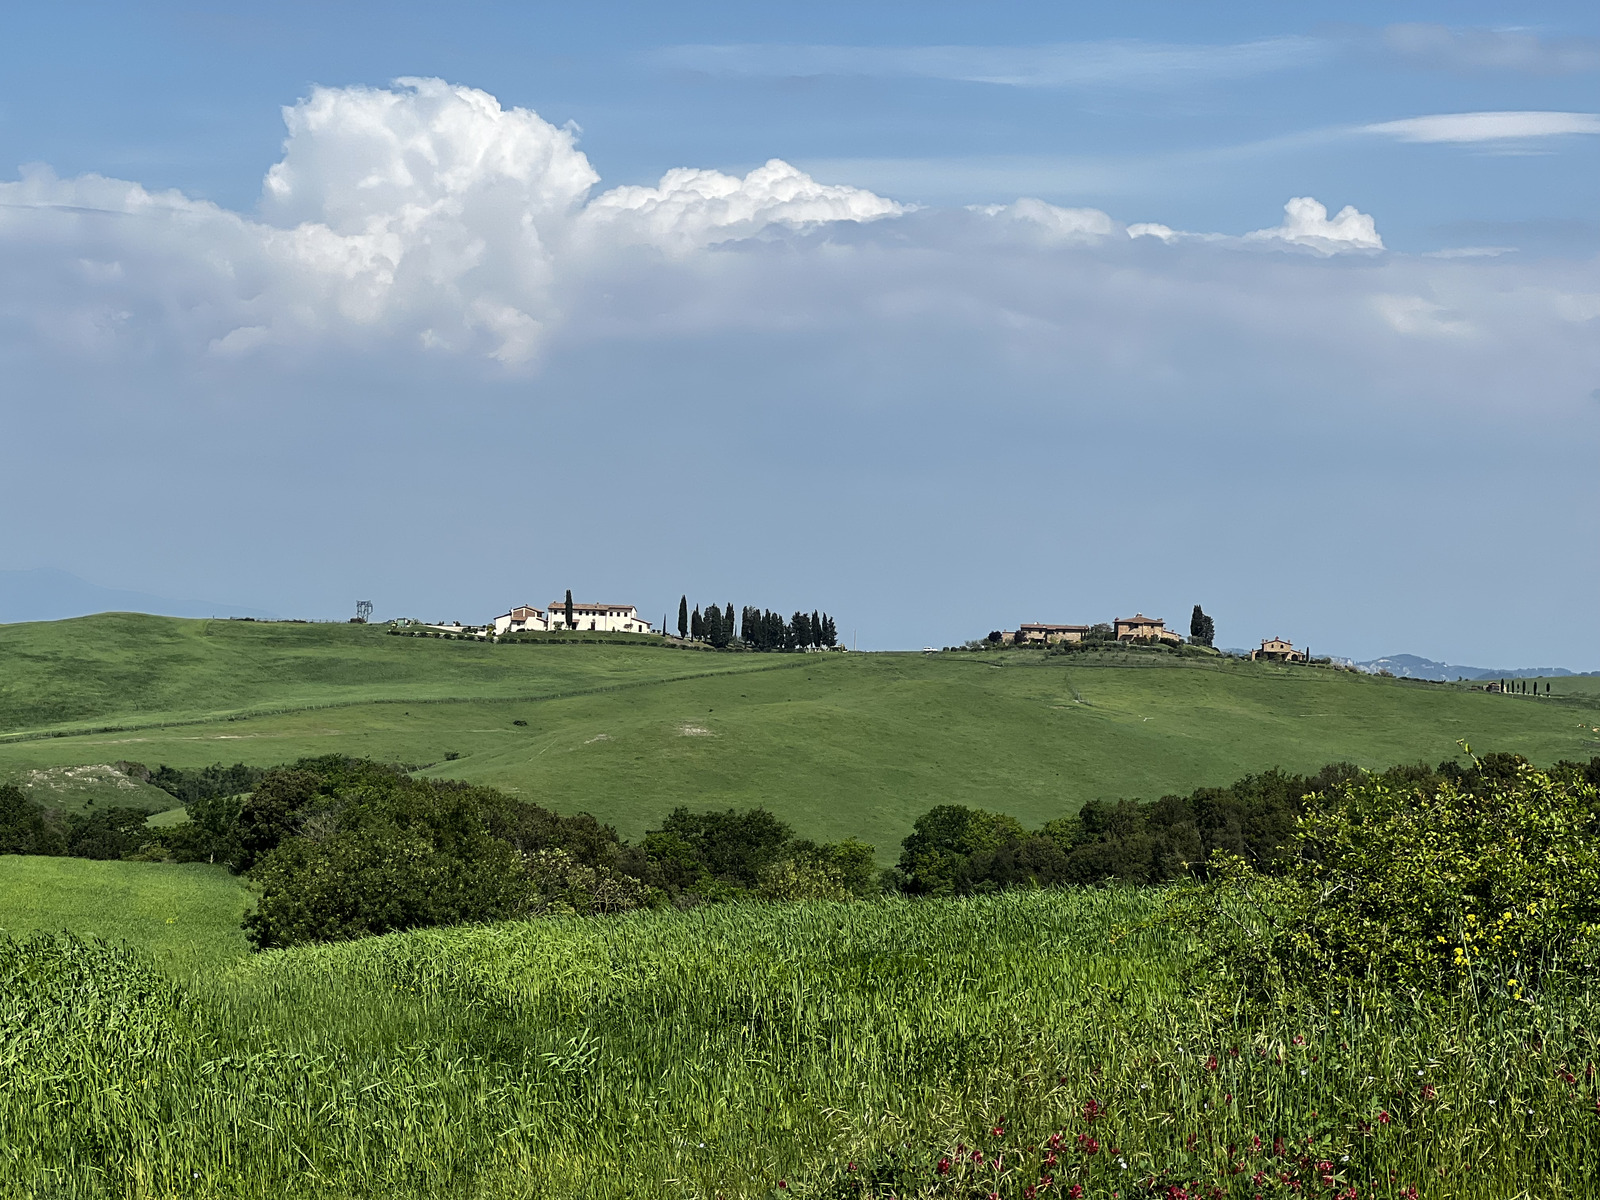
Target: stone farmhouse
{"x": 1125, "y": 629}
{"x": 601, "y": 618}
{"x": 1277, "y": 650}
{"x": 1128, "y": 629}
{"x": 1049, "y": 634}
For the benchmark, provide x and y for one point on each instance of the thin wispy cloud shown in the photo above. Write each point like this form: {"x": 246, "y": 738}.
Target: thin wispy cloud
{"x": 1066, "y": 64}
{"x": 1487, "y": 126}
{"x": 1520, "y": 50}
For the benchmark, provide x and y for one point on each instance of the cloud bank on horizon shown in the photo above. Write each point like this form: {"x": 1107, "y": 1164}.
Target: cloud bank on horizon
{"x": 429, "y": 213}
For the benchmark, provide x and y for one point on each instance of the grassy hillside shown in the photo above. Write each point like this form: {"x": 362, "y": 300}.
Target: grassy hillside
{"x": 840, "y": 745}
{"x": 761, "y": 1051}
{"x": 185, "y": 918}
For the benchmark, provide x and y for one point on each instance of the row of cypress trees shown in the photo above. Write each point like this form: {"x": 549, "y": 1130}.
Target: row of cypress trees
{"x": 758, "y": 629}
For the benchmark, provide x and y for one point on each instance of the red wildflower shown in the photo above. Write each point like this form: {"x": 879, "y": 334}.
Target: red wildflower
{"x": 998, "y": 1132}
{"x": 1427, "y": 1091}
{"x": 1075, "y": 1192}
{"x": 1092, "y": 1109}
{"x": 783, "y": 1185}
{"x": 1298, "y": 1040}
{"x": 944, "y": 1166}
{"x": 1409, "y": 1193}
{"x": 1211, "y": 1063}
{"x": 1050, "y": 1159}
{"x": 1383, "y": 1117}
{"x": 1233, "y": 1053}
{"x": 1028, "y": 1193}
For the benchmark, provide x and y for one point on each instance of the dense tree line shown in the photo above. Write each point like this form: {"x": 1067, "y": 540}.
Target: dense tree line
{"x": 954, "y": 850}
{"x": 342, "y": 848}
{"x": 757, "y": 629}
{"x": 30, "y": 828}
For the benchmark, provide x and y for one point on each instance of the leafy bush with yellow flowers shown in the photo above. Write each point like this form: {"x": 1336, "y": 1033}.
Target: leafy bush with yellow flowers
{"x": 1488, "y": 880}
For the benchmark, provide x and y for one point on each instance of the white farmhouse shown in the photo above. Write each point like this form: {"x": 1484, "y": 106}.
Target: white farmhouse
{"x": 602, "y": 618}
{"x": 522, "y": 619}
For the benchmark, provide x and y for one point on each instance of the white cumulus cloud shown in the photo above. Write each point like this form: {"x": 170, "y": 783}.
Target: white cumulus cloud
{"x": 692, "y": 208}
{"x": 425, "y": 210}
{"x": 1306, "y": 223}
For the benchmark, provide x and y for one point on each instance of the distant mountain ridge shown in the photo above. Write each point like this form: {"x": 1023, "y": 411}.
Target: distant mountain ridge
{"x": 1410, "y": 666}
{"x": 46, "y": 594}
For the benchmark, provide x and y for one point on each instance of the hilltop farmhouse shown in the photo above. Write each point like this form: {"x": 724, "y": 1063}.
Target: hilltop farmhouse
{"x": 1139, "y": 627}
{"x": 601, "y": 618}
{"x": 1125, "y": 629}
{"x": 1277, "y": 650}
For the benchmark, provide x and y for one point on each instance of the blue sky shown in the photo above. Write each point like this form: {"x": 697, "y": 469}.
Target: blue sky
{"x": 1021, "y": 331}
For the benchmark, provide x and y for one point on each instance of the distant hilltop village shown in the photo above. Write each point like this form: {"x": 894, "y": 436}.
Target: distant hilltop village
{"x": 753, "y": 629}
{"x": 1142, "y": 630}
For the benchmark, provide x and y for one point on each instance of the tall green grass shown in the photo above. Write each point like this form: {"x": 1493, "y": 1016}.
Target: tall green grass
{"x": 751, "y": 1051}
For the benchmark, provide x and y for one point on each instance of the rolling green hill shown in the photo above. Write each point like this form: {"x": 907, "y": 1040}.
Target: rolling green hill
{"x": 838, "y": 744}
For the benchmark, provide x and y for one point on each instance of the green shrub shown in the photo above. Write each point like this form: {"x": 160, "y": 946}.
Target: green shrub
{"x": 1490, "y": 879}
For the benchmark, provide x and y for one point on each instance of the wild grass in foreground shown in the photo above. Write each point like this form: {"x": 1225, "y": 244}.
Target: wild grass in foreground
{"x": 1031, "y": 1044}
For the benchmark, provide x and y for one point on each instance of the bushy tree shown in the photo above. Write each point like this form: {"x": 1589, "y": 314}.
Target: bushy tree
{"x": 106, "y": 833}
{"x": 25, "y": 827}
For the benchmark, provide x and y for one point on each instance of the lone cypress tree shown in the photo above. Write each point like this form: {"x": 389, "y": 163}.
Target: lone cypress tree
{"x": 683, "y": 617}
{"x": 570, "y": 624}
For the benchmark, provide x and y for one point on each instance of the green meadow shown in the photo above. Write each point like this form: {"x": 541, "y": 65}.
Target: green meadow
{"x": 183, "y": 918}
{"x": 838, "y": 744}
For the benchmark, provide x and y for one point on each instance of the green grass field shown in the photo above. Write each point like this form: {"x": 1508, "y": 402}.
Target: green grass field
{"x": 840, "y": 745}
{"x": 758, "y": 1051}
{"x": 184, "y": 918}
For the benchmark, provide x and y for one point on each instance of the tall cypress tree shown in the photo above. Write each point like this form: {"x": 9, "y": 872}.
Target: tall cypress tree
{"x": 697, "y": 624}
{"x": 729, "y": 629}
{"x": 683, "y": 617}
{"x": 816, "y": 628}
{"x": 568, "y": 606}
{"x": 830, "y": 632}
{"x": 713, "y": 627}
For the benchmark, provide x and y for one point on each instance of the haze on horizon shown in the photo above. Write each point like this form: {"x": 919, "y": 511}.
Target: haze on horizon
{"x": 940, "y": 317}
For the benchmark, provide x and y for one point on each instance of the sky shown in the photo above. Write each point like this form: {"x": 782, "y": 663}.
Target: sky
{"x": 939, "y": 317}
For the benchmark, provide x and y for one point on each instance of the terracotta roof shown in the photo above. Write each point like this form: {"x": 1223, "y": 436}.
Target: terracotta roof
{"x": 1140, "y": 619}
{"x": 561, "y": 605}
{"x": 1059, "y": 628}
